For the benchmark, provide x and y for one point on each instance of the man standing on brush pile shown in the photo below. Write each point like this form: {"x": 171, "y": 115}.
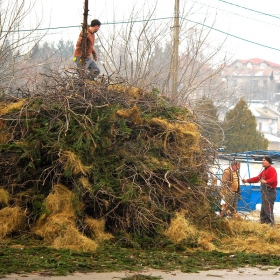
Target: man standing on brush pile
{"x": 230, "y": 189}
{"x": 268, "y": 180}
{"x": 90, "y": 65}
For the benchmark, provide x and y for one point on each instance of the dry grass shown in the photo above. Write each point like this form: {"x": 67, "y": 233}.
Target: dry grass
{"x": 60, "y": 201}
{"x": 6, "y": 108}
{"x": 185, "y": 130}
{"x": 250, "y": 237}
{"x": 237, "y": 235}
{"x": 71, "y": 162}
{"x": 59, "y": 227}
{"x": 131, "y": 91}
{"x": 59, "y": 230}
{"x": 97, "y": 228}
{"x": 85, "y": 182}
{"x": 182, "y": 231}
{"x": 4, "y": 197}
{"x": 12, "y": 220}
{"x": 5, "y": 133}
{"x": 74, "y": 240}
{"x": 133, "y": 114}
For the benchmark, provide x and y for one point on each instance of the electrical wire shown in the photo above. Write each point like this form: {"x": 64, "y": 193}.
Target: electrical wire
{"x": 255, "y": 11}
{"x": 234, "y": 36}
{"x": 236, "y": 14}
{"x": 156, "y": 19}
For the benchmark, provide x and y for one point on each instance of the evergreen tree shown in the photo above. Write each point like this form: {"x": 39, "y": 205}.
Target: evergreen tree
{"x": 241, "y": 132}
{"x": 34, "y": 51}
{"x": 65, "y": 49}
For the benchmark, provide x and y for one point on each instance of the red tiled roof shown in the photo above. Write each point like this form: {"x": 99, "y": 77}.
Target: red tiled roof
{"x": 257, "y": 61}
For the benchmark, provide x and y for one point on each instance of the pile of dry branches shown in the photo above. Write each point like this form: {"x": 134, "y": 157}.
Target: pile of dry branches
{"x": 128, "y": 156}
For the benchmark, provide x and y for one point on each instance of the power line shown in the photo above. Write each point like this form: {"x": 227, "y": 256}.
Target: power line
{"x": 234, "y": 36}
{"x": 229, "y": 12}
{"x": 215, "y": 29}
{"x": 76, "y": 26}
{"x": 39, "y": 29}
{"x": 242, "y": 7}
{"x": 156, "y": 19}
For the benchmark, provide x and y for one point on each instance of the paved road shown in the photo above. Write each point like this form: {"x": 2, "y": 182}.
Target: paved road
{"x": 223, "y": 274}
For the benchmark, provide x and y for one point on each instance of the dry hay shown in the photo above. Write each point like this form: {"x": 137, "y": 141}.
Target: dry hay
{"x": 251, "y": 237}
{"x": 6, "y": 108}
{"x": 60, "y": 200}
{"x": 5, "y": 133}
{"x": 97, "y": 227}
{"x": 12, "y": 220}
{"x": 59, "y": 231}
{"x": 236, "y": 235}
{"x": 74, "y": 240}
{"x": 182, "y": 231}
{"x": 186, "y": 137}
{"x": 72, "y": 163}
{"x": 4, "y": 197}
{"x": 50, "y": 227}
{"x": 255, "y": 216}
{"x": 133, "y": 114}
{"x": 59, "y": 228}
{"x": 186, "y": 130}
{"x": 131, "y": 91}
{"x": 85, "y": 182}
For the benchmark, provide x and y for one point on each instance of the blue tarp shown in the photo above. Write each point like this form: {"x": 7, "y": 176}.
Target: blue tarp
{"x": 250, "y": 196}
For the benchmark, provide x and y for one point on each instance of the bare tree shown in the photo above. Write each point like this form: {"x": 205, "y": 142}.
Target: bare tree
{"x": 140, "y": 51}
{"x": 18, "y": 35}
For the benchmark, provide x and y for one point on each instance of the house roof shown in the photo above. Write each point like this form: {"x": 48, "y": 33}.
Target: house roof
{"x": 264, "y": 112}
{"x": 240, "y": 68}
{"x": 257, "y": 61}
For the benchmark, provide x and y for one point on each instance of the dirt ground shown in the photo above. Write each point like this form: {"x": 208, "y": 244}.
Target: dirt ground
{"x": 235, "y": 274}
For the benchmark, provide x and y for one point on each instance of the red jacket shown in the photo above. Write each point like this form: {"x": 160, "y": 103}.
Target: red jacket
{"x": 269, "y": 174}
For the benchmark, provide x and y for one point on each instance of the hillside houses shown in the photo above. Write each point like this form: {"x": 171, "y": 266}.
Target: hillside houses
{"x": 258, "y": 82}
{"x": 253, "y": 79}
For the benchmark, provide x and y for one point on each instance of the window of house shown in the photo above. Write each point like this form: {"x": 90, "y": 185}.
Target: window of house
{"x": 254, "y": 84}
{"x": 260, "y": 126}
{"x": 265, "y": 83}
{"x": 233, "y": 83}
{"x": 249, "y": 65}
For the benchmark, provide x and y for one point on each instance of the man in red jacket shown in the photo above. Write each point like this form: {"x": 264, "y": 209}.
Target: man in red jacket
{"x": 268, "y": 180}
{"x": 91, "y": 66}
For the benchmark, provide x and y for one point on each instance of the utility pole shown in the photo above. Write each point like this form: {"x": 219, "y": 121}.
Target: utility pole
{"x": 175, "y": 54}
{"x": 84, "y": 40}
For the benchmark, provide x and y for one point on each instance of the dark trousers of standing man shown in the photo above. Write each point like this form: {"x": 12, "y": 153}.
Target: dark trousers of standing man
{"x": 232, "y": 202}
{"x": 268, "y": 198}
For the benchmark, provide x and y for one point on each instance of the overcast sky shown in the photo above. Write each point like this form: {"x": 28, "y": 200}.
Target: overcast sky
{"x": 252, "y": 27}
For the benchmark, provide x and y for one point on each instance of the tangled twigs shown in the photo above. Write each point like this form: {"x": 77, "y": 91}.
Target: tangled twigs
{"x": 128, "y": 155}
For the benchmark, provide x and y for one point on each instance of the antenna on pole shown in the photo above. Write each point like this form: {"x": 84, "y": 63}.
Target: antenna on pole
{"x": 174, "y": 64}
{"x": 84, "y": 40}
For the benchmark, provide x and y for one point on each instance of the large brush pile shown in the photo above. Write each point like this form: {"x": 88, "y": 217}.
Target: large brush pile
{"x": 90, "y": 157}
